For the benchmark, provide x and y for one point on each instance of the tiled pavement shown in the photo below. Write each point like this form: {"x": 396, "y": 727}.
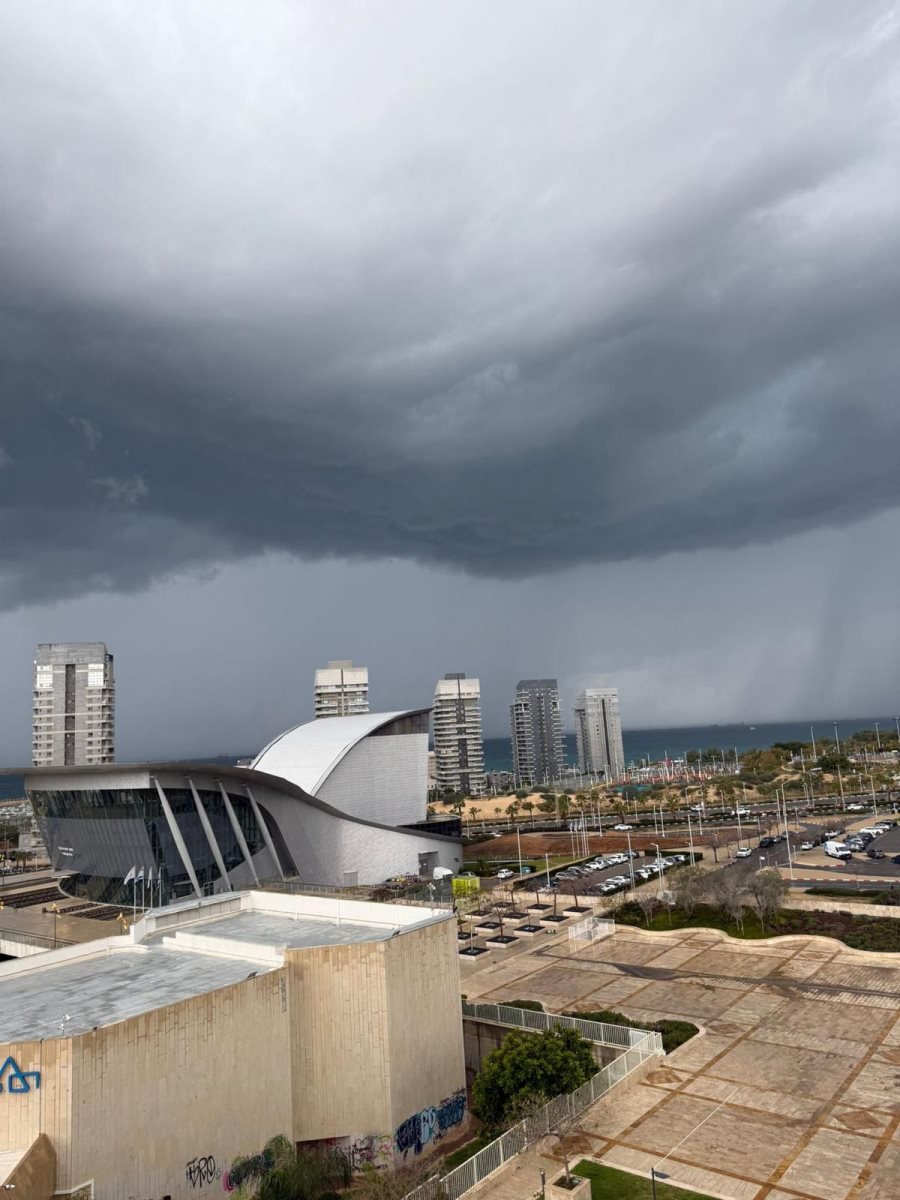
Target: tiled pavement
{"x": 801, "y": 1040}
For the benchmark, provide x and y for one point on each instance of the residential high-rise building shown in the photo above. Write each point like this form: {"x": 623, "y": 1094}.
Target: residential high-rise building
{"x": 342, "y": 690}
{"x": 598, "y": 732}
{"x": 74, "y": 705}
{"x": 537, "y": 734}
{"x": 458, "y": 742}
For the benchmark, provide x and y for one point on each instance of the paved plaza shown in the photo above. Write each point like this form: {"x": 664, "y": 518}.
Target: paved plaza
{"x": 800, "y": 1040}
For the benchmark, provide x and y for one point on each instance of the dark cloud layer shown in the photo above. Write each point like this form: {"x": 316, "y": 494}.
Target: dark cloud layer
{"x": 488, "y": 289}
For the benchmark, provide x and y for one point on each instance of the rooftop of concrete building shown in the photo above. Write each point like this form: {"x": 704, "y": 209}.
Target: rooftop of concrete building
{"x": 185, "y": 950}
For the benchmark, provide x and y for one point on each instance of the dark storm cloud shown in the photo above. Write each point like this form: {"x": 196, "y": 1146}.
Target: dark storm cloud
{"x": 470, "y": 287}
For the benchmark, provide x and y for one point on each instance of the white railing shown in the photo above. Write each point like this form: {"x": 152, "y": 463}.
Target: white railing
{"x": 592, "y": 929}
{"x": 595, "y": 1031}
{"x": 547, "y": 1119}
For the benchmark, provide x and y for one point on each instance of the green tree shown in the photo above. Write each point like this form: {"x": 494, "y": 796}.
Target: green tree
{"x": 529, "y": 1067}
{"x": 689, "y": 887}
{"x": 278, "y": 1172}
{"x": 769, "y": 891}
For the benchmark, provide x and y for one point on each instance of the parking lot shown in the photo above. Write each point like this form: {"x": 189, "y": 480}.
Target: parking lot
{"x": 791, "y": 1091}
{"x": 615, "y": 875}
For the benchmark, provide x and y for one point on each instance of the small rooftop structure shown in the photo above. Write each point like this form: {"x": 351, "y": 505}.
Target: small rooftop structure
{"x": 181, "y": 951}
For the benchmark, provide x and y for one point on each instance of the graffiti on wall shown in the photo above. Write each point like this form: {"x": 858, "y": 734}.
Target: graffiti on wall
{"x": 373, "y": 1150}
{"x": 16, "y": 1080}
{"x": 201, "y": 1171}
{"x": 431, "y": 1124}
{"x": 250, "y": 1167}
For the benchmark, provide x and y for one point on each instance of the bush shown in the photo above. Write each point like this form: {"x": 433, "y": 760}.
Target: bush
{"x": 674, "y": 1033}
{"x": 531, "y": 1005}
{"x": 527, "y": 1070}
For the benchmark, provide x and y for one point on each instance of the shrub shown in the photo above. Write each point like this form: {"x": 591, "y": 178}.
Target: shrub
{"x": 674, "y": 1033}
{"x": 528, "y": 1069}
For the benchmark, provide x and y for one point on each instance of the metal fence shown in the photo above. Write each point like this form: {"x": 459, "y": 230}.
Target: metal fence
{"x": 551, "y": 1117}
{"x": 20, "y": 937}
{"x": 595, "y": 1031}
{"x": 592, "y": 929}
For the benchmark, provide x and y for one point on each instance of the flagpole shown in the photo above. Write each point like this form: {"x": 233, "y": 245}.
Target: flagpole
{"x": 143, "y": 892}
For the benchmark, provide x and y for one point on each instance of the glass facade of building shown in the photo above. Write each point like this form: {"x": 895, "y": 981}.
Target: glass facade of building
{"x": 102, "y": 834}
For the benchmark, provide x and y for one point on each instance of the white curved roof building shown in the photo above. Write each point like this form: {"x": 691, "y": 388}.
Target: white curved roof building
{"x": 341, "y": 801}
{"x": 373, "y": 766}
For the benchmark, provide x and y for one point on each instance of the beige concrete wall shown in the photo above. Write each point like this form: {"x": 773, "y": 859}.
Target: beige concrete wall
{"x": 427, "y": 1058}
{"x": 191, "y": 1086}
{"x": 362, "y": 1069}
{"x": 24, "y": 1116}
{"x": 338, "y": 1002}
{"x": 35, "y": 1176}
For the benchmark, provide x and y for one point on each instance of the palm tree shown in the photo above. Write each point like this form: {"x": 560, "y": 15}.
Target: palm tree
{"x": 280, "y": 1173}
{"x": 528, "y": 806}
{"x": 473, "y": 814}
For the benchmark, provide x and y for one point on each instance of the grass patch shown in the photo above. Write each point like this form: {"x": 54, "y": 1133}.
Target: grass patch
{"x": 609, "y": 1184}
{"x": 466, "y": 1152}
{"x": 862, "y": 933}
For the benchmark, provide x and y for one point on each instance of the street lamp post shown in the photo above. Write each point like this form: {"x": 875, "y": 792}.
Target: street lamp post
{"x": 659, "y": 871}
{"x": 630, "y": 862}
{"x": 519, "y": 845}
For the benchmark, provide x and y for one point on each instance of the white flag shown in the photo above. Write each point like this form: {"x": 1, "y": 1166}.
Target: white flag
{"x": 139, "y": 878}
{"x": 130, "y": 876}
{"x": 150, "y": 877}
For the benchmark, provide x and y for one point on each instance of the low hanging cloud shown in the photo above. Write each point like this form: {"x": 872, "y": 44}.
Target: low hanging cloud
{"x": 471, "y": 286}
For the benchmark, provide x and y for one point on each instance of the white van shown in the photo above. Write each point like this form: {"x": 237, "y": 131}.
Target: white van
{"x": 837, "y": 850}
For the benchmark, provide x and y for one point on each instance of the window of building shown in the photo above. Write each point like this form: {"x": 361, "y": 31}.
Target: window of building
{"x": 95, "y": 675}
{"x": 43, "y": 677}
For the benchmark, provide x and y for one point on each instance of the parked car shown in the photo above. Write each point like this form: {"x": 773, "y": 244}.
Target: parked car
{"x": 832, "y": 833}
{"x": 873, "y": 853}
{"x": 766, "y": 842}
{"x": 856, "y": 808}
{"x": 622, "y": 828}
{"x": 807, "y": 845}
{"x": 505, "y": 873}
{"x": 896, "y": 860}
{"x": 744, "y": 852}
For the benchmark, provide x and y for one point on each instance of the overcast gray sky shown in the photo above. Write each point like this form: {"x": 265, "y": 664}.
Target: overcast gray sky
{"x": 519, "y": 338}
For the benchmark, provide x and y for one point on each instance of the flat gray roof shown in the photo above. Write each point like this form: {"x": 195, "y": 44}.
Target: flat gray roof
{"x": 275, "y": 930}
{"x": 180, "y": 952}
{"x": 108, "y": 987}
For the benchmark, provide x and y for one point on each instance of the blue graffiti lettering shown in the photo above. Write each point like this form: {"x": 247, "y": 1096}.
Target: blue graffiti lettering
{"x": 17, "y": 1080}
{"x": 430, "y": 1124}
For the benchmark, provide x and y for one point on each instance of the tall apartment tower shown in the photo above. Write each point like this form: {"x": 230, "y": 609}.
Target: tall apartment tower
{"x": 458, "y": 742}
{"x": 598, "y": 732}
{"x": 342, "y": 690}
{"x": 74, "y": 705}
{"x": 537, "y": 734}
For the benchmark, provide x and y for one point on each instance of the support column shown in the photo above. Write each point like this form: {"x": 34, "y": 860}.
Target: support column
{"x": 238, "y": 832}
{"x": 177, "y": 838}
{"x": 210, "y": 836}
{"x": 264, "y": 829}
